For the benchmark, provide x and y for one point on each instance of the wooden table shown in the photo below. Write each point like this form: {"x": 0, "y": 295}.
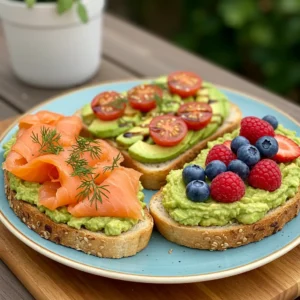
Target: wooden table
{"x": 133, "y": 53}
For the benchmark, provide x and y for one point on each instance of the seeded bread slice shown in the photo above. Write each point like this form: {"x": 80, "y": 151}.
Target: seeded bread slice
{"x": 222, "y": 237}
{"x": 95, "y": 243}
{"x": 154, "y": 175}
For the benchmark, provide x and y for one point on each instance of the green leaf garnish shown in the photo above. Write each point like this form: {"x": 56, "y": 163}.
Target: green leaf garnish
{"x": 49, "y": 141}
{"x": 114, "y": 165}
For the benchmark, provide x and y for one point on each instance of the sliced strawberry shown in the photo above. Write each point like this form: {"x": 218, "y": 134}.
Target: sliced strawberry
{"x": 288, "y": 149}
{"x": 227, "y": 144}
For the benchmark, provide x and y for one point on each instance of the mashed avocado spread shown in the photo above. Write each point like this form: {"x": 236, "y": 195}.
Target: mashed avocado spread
{"x": 28, "y": 191}
{"x": 251, "y": 208}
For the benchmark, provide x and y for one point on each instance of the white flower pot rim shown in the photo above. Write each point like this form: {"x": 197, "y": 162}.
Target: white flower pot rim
{"x": 44, "y": 15}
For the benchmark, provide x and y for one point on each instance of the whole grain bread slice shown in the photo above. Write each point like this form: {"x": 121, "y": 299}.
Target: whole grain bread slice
{"x": 154, "y": 175}
{"x": 95, "y": 243}
{"x": 222, "y": 237}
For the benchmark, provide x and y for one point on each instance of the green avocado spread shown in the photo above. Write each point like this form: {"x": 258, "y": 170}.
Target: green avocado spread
{"x": 131, "y": 131}
{"x": 251, "y": 208}
{"x": 28, "y": 191}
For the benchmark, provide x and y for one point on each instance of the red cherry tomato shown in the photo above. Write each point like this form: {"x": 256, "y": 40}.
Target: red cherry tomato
{"x": 108, "y": 106}
{"x": 142, "y": 97}
{"x": 167, "y": 130}
{"x": 184, "y": 84}
{"x": 196, "y": 115}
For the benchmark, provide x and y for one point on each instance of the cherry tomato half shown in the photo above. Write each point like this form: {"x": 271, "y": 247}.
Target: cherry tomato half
{"x": 167, "y": 130}
{"x": 196, "y": 115}
{"x": 142, "y": 97}
{"x": 108, "y": 106}
{"x": 184, "y": 84}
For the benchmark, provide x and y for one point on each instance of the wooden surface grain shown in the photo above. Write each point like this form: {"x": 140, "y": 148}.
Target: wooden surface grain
{"x": 129, "y": 52}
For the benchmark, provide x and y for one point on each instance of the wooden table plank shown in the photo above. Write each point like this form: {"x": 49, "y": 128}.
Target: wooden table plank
{"x": 6, "y": 111}
{"x": 10, "y": 287}
{"x": 146, "y": 55}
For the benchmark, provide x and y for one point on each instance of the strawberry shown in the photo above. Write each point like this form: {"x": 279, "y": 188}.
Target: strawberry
{"x": 288, "y": 149}
{"x": 227, "y": 144}
{"x": 265, "y": 175}
{"x": 253, "y": 128}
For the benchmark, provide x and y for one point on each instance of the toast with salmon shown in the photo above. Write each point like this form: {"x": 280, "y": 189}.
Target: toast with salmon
{"x": 72, "y": 190}
{"x": 236, "y": 205}
{"x": 150, "y": 148}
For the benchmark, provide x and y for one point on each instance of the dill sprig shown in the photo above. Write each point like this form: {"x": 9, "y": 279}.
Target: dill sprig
{"x": 92, "y": 191}
{"x": 159, "y": 102}
{"x": 114, "y": 164}
{"x": 89, "y": 188}
{"x": 86, "y": 145}
{"x": 49, "y": 142}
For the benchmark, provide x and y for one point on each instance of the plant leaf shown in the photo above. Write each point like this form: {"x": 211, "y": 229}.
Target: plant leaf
{"x": 30, "y": 3}
{"x": 81, "y": 10}
{"x": 64, "y": 5}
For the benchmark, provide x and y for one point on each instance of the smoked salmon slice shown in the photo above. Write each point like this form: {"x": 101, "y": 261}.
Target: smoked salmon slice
{"x": 121, "y": 200}
{"x": 42, "y": 117}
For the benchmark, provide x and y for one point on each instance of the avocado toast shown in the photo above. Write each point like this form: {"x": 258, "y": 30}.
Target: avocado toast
{"x": 72, "y": 191}
{"x": 232, "y": 206}
{"x": 206, "y": 111}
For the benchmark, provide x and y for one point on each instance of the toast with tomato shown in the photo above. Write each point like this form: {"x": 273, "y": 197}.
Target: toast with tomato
{"x": 162, "y": 124}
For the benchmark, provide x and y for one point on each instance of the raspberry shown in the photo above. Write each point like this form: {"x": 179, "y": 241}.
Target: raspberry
{"x": 220, "y": 152}
{"x": 265, "y": 175}
{"x": 254, "y": 128}
{"x": 227, "y": 187}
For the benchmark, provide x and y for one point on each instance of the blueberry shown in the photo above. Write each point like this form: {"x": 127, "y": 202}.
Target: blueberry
{"x": 192, "y": 172}
{"x": 238, "y": 142}
{"x": 197, "y": 191}
{"x": 271, "y": 120}
{"x": 215, "y": 168}
{"x": 240, "y": 168}
{"x": 267, "y": 146}
{"x": 249, "y": 155}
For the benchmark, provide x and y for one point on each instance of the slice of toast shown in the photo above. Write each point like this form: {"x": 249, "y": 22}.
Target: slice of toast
{"x": 95, "y": 243}
{"x": 222, "y": 237}
{"x": 154, "y": 175}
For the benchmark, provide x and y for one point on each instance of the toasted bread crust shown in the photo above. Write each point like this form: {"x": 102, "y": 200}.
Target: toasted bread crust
{"x": 222, "y": 237}
{"x": 95, "y": 243}
{"x": 154, "y": 178}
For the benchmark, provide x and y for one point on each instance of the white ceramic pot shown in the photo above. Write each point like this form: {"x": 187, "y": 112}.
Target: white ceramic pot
{"x": 51, "y": 50}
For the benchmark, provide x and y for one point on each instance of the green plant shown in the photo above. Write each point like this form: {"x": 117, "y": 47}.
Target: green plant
{"x": 63, "y": 6}
{"x": 256, "y": 38}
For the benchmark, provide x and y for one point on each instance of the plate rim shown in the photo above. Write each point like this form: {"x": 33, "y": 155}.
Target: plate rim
{"x": 134, "y": 277}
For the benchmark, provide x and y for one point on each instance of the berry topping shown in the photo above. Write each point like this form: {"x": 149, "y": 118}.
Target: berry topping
{"x": 267, "y": 146}
{"x": 214, "y": 168}
{"x": 227, "y": 187}
{"x": 220, "y": 152}
{"x": 271, "y": 120}
{"x": 238, "y": 142}
{"x": 288, "y": 149}
{"x": 240, "y": 168}
{"x": 265, "y": 175}
{"x": 197, "y": 191}
{"x": 253, "y": 128}
{"x": 227, "y": 144}
{"x": 192, "y": 172}
{"x": 248, "y": 154}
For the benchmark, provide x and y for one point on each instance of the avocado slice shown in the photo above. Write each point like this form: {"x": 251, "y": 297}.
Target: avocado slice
{"x": 87, "y": 114}
{"x": 147, "y": 153}
{"x": 109, "y": 129}
{"x": 135, "y": 134}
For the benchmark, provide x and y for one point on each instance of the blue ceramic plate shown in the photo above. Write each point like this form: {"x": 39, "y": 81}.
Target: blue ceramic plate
{"x": 155, "y": 264}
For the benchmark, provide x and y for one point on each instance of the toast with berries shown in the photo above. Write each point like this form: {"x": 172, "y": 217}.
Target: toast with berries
{"x": 239, "y": 190}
